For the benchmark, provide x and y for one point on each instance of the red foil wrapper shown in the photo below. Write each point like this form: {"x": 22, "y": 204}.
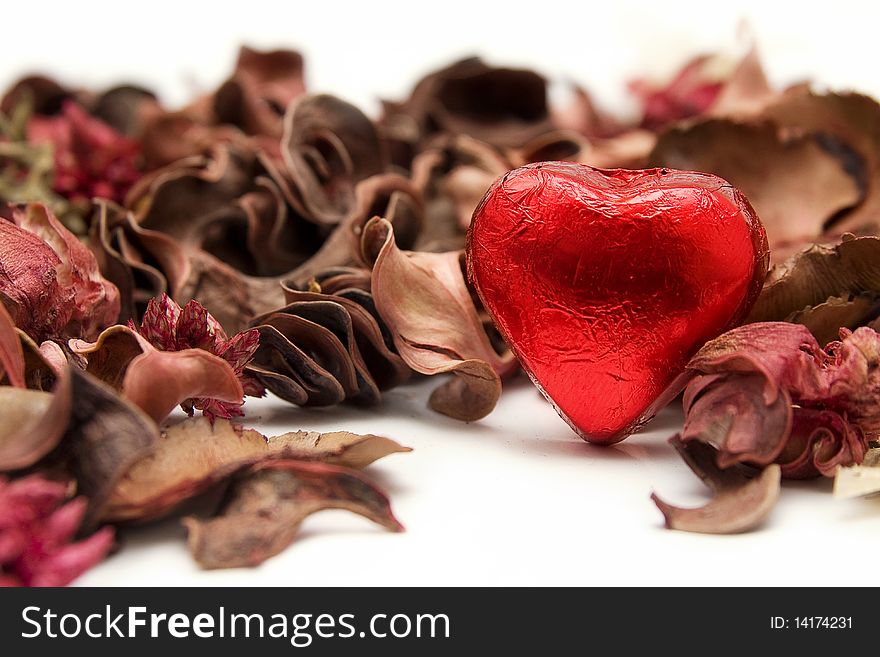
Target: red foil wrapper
{"x": 606, "y": 282}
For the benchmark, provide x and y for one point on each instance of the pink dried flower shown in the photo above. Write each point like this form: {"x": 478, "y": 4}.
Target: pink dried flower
{"x": 767, "y": 392}
{"x": 36, "y": 528}
{"x": 49, "y": 279}
{"x": 690, "y": 93}
{"x": 169, "y": 327}
{"x": 91, "y": 158}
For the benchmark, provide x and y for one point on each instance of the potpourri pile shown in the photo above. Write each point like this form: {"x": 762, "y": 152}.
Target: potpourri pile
{"x": 264, "y": 238}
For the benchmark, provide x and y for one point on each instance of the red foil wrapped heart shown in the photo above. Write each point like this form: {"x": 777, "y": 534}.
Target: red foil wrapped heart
{"x": 606, "y": 282}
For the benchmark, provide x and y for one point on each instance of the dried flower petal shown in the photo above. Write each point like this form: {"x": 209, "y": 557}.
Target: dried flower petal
{"x": 265, "y": 506}
{"x": 740, "y": 503}
{"x": 500, "y": 106}
{"x": 37, "y": 526}
{"x": 157, "y": 381}
{"x": 324, "y": 349}
{"x": 91, "y": 158}
{"x": 11, "y": 354}
{"x": 795, "y": 290}
{"x": 105, "y": 437}
{"x": 424, "y": 301}
{"x": 260, "y": 89}
{"x": 194, "y": 455}
{"x": 705, "y": 85}
{"x": 32, "y": 422}
{"x": 768, "y": 393}
{"x": 328, "y": 147}
{"x": 56, "y": 288}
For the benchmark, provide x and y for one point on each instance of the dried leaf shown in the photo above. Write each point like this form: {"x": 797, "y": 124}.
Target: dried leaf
{"x": 424, "y": 301}
{"x": 32, "y": 422}
{"x": 851, "y": 267}
{"x": 501, "y": 106}
{"x": 740, "y": 503}
{"x": 328, "y": 147}
{"x": 11, "y": 354}
{"x": 194, "y": 455}
{"x": 260, "y": 89}
{"x": 265, "y": 507}
{"x": 107, "y": 435}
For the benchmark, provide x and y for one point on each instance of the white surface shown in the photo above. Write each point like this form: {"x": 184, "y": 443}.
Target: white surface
{"x": 517, "y": 498}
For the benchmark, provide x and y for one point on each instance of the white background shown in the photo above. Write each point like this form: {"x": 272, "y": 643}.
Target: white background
{"x": 516, "y": 498}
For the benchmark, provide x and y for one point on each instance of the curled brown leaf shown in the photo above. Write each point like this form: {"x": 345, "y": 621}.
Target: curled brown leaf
{"x": 824, "y": 285}
{"x": 194, "y": 455}
{"x": 266, "y": 505}
{"x": 328, "y": 147}
{"x": 106, "y": 436}
{"x": 740, "y": 504}
{"x": 425, "y": 302}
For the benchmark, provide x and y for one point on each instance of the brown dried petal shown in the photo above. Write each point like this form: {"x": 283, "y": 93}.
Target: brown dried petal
{"x": 193, "y": 455}
{"x": 746, "y": 91}
{"x": 849, "y": 126}
{"x": 106, "y": 436}
{"x": 452, "y": 174}
{"x": 324, "y": 349}
{"x": 328, "y": 147}
{"x": 501, "y": 106}
{"x": 386, "y": 195}
{"x": 265, "y": 506}
{"x": 385, "y": 367}
{"x": 825, "y": 320}
{"x": 263, "y": 84}
{"x": 11, "y": 354}
{"x": 142, "y": 263}
{"x": 45, "y": 95}
{"x": 424, "y": 301}
{"x": 740, "y": 503}
{"x": 811, "y": 278}
{"x": 32, "y": 422}
{"x": 126, "y": 108}
{"x": 794, "y": 182}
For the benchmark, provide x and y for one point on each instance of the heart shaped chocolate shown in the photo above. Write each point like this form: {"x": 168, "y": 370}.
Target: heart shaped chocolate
{"x": 606, "y": 282}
